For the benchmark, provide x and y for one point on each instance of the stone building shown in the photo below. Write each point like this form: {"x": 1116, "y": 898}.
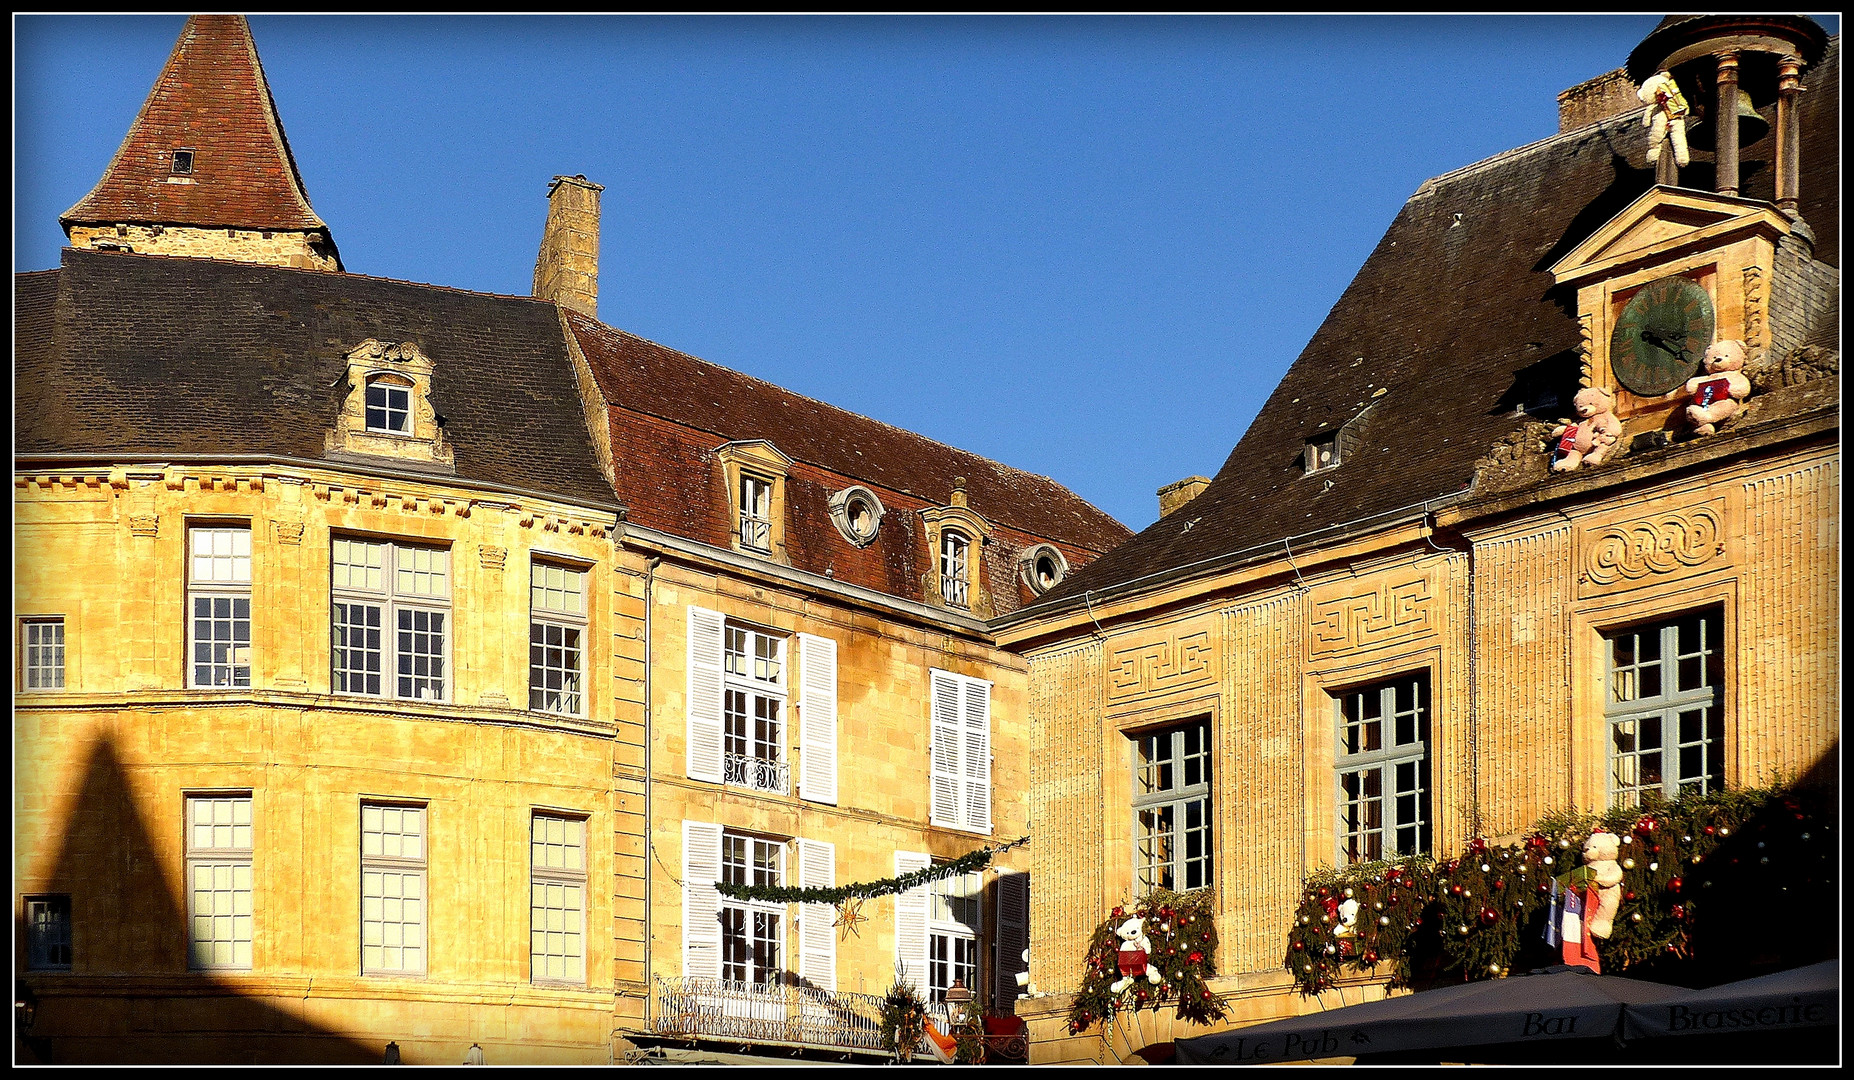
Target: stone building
{"x": 1387, "y": 625}
{"x": 398, "y": 664}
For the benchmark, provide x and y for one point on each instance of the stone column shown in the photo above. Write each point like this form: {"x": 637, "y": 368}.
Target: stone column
{"x": 1789, "y": 139}
{"x": 1725, "y": 125}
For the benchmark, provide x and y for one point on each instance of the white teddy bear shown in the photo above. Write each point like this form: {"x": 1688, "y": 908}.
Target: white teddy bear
{"x": 1135, "y": 955}
{"x": 1600, "y": 853}
{"x": 1666, "y": 116}
{"x": 1718, "y": 391}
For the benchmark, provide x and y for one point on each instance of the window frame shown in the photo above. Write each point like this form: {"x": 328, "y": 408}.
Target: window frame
{"x": 575, "y": 686}
{"x": 747, "y": 769}
{"x": 198, "y": 857}
{"x": 212, "y": 590}
{"x": 1667, "y": 706}
{"x": 751, "y": 491}
{"x": 391, "y": 602}
{"x": 564, "y": 876}
{"x": 1324, "y": 441}
{"x": 754, "y": 914}
{"x": 418, "y": 868}
{"x": 1175, "y": 867}
{"x": 174, "y": 161}
{"x": 36, "y": 947}
{"x": 1351, "y": 845}
{"x": 28, "y": 648}
{"x": 955, "y": 568}
{"x": 389, "y": 382}
{"x": 950, "y": 932}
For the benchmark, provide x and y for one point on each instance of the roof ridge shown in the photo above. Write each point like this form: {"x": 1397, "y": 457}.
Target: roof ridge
{"x": 244, "y": 264}
{"x": 1504, "y": 156}
{"x": 816, "y": 401}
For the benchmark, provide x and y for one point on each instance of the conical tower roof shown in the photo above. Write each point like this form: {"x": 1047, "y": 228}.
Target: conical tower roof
{"x": 213, "y": 100}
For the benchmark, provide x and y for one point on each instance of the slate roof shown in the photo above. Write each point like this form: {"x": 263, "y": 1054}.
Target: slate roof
{"x": 1451, "y": 325}
{"x": 212, "y": 98}
{"x": 124, "y": 354}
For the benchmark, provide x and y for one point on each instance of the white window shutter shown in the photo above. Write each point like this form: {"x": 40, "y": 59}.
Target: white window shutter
{"x": 701, "y": 904}
{"x": 911, "y": 922}
{"x": 817, "y": 715}
{"x": 817, "y": 936}
{"x": 975, "y": 735}
{"x": 943, "y": 806}
{"x": 704, "y": 734}
{"x": 1013, "y": 935}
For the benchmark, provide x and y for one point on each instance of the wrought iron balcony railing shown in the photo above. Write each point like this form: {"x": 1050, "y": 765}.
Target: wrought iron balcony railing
{"x": 773, "y": 1014}
{"x": 760, "y": 774}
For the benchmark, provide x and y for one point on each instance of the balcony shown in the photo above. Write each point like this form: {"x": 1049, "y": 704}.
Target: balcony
{"x": 774, "y": 1014}
{"x": 760, "y": 774}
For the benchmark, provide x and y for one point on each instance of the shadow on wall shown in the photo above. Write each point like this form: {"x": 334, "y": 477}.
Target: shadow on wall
{"x": 129, "y": 998}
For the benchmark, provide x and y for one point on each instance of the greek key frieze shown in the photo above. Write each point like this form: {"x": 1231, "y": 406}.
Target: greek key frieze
{"x": 1161, "y": 666}
{"x": 1671, "y": 543}
{"x": 1390, "y": 611}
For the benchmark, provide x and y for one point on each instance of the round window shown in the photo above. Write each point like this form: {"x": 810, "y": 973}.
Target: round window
{"x": 857, "y": 514}
{"x": 1043, "y": 568}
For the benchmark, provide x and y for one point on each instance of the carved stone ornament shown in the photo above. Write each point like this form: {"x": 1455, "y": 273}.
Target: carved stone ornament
{"x": 1366, "y": 614}
{"x": 1176, "y": 662}
{"x": 1663, "y": 545}
{"x": 414, "y": 437}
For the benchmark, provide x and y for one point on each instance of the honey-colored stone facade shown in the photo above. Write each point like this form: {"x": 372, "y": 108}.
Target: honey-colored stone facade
{"x": 105, "y": 764}
{"x": 303, "y": 250}
{"x": 1507, "y": 614}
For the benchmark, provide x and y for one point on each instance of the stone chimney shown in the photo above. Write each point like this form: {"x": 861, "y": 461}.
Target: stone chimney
{"x": 1172, "y": 496}
{"x": 567, "y": 269}
{"x": 1607, "y": 95}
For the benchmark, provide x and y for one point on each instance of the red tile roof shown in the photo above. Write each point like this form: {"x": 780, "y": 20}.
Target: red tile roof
{"x": 212, "y": 99}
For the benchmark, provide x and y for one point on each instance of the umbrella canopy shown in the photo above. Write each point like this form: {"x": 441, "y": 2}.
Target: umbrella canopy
{"x": 1542, "y": 1006}
{"x": 1800, "y": 998}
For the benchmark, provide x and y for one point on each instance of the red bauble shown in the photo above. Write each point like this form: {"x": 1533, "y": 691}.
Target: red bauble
{"x": 1674, "y": 884}
{"x": 1489, "y": 916}
{"x": 1708, "y": 830}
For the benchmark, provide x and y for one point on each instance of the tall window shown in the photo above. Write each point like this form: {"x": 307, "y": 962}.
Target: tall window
{"x": 752, "y": 931}
{"x": 41, "y": 643}
{"x": 755, "y": 513}
{"x": 954, "y": 568}
{"x": 1171, "y": 807}
{"x": 390, "y": 621}
{"x": 392, "y": 890}
{"x": 557, "y": 900}
{"x": 959, "y": 767}
{"x": 219, "y": 600}
{"x": 556, "y": 632}
{"x": 1665, "y": 708}
{"x": 1382, "y": 767}
{"x": 753, "y": 707}
{"x": 219, "y": 906}
{"x": 48, "y": 933}
{"x": 953, "y": 933}
{"x": 389, "y": 405}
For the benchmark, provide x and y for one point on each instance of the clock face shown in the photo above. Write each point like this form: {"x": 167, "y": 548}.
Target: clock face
{"x": 1661, "y": 335}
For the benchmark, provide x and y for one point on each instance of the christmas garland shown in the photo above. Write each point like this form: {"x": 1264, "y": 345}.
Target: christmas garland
{"x": 1183, "y": 932}
{"x": 784, "y": 894}
{"x": 1710, "y": 883}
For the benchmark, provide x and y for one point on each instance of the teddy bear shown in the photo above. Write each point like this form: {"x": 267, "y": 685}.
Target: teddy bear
{"x": 1600, "y": 853}
{"x": 1666, "y": 116}
{"x": 1135, "y": 955}
{"x": 1589, "y": 439}
{"x": 1718, "y": 392}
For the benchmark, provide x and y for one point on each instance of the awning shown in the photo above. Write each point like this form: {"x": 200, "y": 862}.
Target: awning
{"x": 1801, "y": 998}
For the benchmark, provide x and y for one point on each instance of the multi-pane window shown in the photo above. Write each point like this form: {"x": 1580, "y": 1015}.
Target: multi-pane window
{"x": 556, "y": 639}
{"x": 390, "y": 621}
{"x": 752, "y": 931}
{"x": 953, "y": 933}
{"x": 1171, "y": 807}
{"x": 48, "y": 933}
{"x": 41, "y": 643}
{"x": 752, "y": 709}
{"x": 219, "y": 605}
{"x": 755, "y": 513}
{"x": 1666, "y": 708}
{"x": 389, "y": 406}
{"x": 557, "y": 899}
{"x": 1382, "y": 770}
{"x": 219, "y": 905}
{"x": 392, "y": 889}
{"x": 954, "y": 563}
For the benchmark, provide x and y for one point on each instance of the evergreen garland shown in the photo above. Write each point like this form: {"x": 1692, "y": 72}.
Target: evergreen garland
{"x": 786, "y": 894}
{"x": 1183, "y": 932}
{"x": 1713, "y": 886}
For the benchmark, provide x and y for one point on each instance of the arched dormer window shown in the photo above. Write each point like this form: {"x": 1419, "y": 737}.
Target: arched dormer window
{"x": 955, "y": 568}
{"x": 389, "y": 404}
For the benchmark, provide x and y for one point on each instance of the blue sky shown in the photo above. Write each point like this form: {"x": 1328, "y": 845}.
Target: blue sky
{"x": 1087, "y": 247}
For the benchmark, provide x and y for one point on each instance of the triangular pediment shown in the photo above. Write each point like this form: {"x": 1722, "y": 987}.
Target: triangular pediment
{"x": 1662, "y": 222}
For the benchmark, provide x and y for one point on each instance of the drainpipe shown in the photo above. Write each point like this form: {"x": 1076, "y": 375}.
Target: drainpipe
{"x": 650, "y": 817}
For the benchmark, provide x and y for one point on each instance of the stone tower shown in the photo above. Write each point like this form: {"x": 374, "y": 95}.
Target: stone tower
{"x": 205, "y": 169}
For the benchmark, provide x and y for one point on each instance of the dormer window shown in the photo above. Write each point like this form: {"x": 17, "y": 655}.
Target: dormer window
{"x": 1043, "y": 568}
{"x": 954, "y": 568}
{"x": 183, "y": 163}
{"x": 1322, "y": 451}
{"x": 755, "y": 513}
{"x": 389, "y": 405}
{"x": 857, "y": 513}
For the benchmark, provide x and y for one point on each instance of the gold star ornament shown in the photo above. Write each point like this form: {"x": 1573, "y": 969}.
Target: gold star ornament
{"x": 849, "y": 914}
